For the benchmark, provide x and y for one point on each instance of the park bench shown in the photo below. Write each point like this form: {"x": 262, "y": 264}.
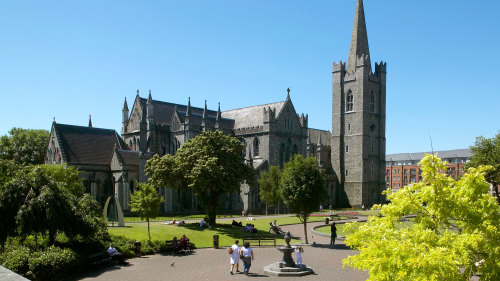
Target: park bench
{"x": 260, "y": 240}
{"x": 99, "y": 258}
{"x": 170, "y": 248}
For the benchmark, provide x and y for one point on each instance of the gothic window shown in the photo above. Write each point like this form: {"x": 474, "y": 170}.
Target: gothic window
{"x": 349, "y": 104}
{"x": 346, "y": 148}
{"x": 130, "y": 144}
{"x": 348, "y": 127}
{"x": 346, "y": 172}
{"x": 294, "y": 149}
{"x": 372, "y": 102}
{"x": 288, "y": 124}
{"x": 282, "y": 155}
{"x": 134, "y": 145}
{"x": 256, "y": 147}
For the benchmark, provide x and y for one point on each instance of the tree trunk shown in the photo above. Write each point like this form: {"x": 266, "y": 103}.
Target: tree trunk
{"x": 212, "y": 213}
{"x": 149, "y": 233}
{"x": 266, "y": 208}
{"x": 305, "y": 230}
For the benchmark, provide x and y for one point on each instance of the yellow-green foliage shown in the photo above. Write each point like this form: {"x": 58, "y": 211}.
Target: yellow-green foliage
{"x": 456, "y": 232}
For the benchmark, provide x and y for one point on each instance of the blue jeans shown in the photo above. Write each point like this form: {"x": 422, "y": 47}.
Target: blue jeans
{"x": 247, "y": 262}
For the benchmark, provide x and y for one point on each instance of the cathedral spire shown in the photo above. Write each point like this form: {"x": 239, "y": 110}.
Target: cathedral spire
{"x": 219, "y": 115}
{"x": 90, "y": 121}
{"x": 125, "y": 105}
{"x": 359, "y": 38}
{"x": 188, "y": 110}
{"x": 205, "y": 113}
{"x": 150, "y": 98}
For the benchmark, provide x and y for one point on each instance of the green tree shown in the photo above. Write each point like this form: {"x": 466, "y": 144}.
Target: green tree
{"x": 146, "y": 203}
{"x": 487, "y": 152}
{"x": 24, "y": 146}
{"x": 456, "y": 231}
{"x": 35, "y": 202}
{"x": 210, "y": 164}
{"x": 269, "y": 186}
{"x": 303, "y": 187}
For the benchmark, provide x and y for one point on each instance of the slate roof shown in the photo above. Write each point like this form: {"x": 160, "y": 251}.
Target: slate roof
{"x": 251, "y": 116}
{"x": 445, "y": 154}
{"x": 163, "y": 111}
{"x": 131, "y": 157}
{"x": 326, "y": 136}
{"x": 86, "y": 145}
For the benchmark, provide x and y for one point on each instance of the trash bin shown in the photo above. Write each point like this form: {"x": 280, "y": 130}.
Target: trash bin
{"x": 327, "y": 220}
{"x": 216, "y": 241}
{"x": 137, "y": 248}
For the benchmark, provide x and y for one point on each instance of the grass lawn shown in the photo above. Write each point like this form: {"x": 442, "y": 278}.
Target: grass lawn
{"x": 203, "y": 237}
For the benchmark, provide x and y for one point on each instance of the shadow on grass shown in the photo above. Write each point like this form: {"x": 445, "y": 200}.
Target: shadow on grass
{"x": 233, "y": 232}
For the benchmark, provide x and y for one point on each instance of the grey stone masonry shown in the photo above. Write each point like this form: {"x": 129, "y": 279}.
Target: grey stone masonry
{"x": 358, "y": 122}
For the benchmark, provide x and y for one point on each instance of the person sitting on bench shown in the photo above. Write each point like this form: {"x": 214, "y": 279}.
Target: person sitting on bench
{"x": 115, "y": 255}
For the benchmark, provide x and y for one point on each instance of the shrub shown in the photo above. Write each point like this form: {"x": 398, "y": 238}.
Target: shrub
{"x": 52, "y": 264}
{"x": 124, "y": 245}
{"x": 17, "y": 260}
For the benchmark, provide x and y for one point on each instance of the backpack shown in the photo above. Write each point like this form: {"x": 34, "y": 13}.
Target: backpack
{"x": 231, "y": 250}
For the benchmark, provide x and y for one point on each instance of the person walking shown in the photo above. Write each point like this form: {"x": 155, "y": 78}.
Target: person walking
{"x": 235, "y": 256}
{"x": 333, "y": 229}
{"x": 246, "y": 253}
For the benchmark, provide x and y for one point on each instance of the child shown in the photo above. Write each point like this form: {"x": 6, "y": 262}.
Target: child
{"x": 298, "y": 252}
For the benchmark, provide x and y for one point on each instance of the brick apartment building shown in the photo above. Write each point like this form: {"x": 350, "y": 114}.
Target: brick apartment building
{"x": 402, "y": 169}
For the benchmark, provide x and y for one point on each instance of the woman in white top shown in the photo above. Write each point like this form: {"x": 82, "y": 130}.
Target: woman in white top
{"x": 247, "y": 253}
{"x": 235, "y": 257}
{"x": 298, "y": 252}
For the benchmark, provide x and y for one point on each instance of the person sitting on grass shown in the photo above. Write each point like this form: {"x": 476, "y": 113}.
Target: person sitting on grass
{"x": 115, "y": 255}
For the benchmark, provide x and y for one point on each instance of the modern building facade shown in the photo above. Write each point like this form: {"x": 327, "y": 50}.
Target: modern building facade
{"x": 402, "y": 169}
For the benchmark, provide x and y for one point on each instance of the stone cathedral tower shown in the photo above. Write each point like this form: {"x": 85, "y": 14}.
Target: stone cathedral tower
{"x": 358, "y": 121}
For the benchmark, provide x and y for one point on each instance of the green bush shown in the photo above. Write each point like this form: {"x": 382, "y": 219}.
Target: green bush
{"x": 124, "y": 245}
{"x": 17, "y": 260}
{"x": 52, "y": 264}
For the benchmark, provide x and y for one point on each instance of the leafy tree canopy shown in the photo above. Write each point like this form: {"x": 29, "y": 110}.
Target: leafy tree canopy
{"x": 269, "y": 186}
{"x": 487, "y": 152}
{"x": 303, "y": 187}
{"x": 210, "y": 164}
{"x": 146, "y": 203}
{"x": 24, "y": 146}
{"x": 456, "y": 231}
{"x": 35, "y": 202}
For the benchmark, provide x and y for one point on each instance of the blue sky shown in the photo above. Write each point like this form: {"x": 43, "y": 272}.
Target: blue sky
{"x": 69, "y": 59}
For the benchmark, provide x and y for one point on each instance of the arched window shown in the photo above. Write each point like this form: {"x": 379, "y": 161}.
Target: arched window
{"x": 349, "y": 102}
{"x": 256, "y": 147}
{"x": 130, "y": 144}
{"x": 372, "y": 102}
{"x": 294, "y": 149}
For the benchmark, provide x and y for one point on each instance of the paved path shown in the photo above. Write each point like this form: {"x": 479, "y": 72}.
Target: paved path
{"x": 213, "y": 264}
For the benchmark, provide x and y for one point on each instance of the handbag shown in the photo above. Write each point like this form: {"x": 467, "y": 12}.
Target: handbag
{"x": 230, "y": 251}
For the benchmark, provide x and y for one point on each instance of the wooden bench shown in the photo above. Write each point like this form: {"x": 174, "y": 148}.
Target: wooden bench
{"x": 170, "y": 247}
{"x": 99, "y": 258}
{"x": 260, "y": 240}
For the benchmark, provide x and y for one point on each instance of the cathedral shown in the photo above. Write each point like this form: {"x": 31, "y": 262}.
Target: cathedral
{"x": 352, "y": 154}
